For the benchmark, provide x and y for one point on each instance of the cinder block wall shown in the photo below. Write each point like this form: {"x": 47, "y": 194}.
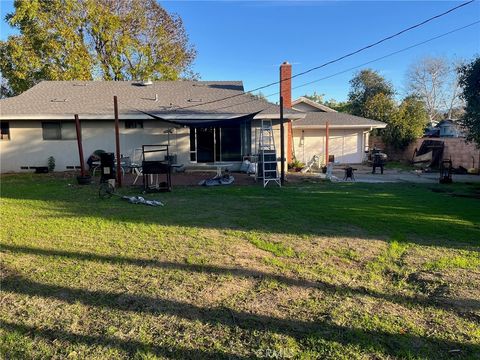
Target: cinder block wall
{"x": 462, "y": 153}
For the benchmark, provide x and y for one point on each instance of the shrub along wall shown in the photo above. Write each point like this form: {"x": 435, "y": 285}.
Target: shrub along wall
{"x": 462, "y": 153}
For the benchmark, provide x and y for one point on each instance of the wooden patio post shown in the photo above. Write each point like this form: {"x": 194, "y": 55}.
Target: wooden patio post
{"x": 282, "y": 144}
{"x": 326, "y": 143}
{"x": 117, "y": 142}
{"x": 79, "y": 143}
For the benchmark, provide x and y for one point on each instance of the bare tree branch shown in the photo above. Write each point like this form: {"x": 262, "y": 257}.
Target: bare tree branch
{"x": 435, "y": 81}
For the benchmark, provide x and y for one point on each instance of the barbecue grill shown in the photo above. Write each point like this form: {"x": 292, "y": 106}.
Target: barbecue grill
{"x": 379, "y": 159}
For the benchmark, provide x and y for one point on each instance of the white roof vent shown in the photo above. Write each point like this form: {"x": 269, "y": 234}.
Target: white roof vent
{"x": 147, "y": 82}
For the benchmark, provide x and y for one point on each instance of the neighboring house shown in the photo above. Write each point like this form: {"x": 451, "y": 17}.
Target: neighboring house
{"x": 449, "y": 128}
{"x": 348, "y": 134}
{"x": 445, "y": 128}
{"x": 39, "y": 123}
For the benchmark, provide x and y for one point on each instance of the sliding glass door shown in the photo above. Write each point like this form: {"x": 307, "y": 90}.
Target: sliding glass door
{"x": 230, "y": 144}
{"x": 205, "y": 145}
{"x": 215, "y": 144}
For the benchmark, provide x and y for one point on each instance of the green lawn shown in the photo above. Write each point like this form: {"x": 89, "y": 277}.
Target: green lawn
{"x": 330, "y": 271}
{"x": 399, "y": 165}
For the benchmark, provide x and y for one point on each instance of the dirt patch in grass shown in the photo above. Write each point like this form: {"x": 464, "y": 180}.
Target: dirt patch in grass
{"x": 430, "y": 284}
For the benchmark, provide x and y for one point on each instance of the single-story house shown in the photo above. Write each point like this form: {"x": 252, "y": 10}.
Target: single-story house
{"x": 39, "y": 123}
{"x": 204, "y": 122}
{"x": 348, "y": 134}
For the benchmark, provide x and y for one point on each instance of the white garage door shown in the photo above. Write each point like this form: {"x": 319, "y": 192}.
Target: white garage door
{"x": 346, "y": 146}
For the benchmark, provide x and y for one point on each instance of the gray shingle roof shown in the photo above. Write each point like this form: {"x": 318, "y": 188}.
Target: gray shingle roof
{"x": 336, "y": 119}
{"x": 168, "y": 99}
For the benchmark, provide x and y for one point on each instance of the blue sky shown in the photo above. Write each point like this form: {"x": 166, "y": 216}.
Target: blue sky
{"x": 248, "y": 40}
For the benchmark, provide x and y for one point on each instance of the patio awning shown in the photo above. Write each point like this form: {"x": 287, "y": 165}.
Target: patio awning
{"x": 205, "y": 120}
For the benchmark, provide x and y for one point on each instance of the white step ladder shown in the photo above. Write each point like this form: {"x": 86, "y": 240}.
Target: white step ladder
{"x": 267, "y": 167}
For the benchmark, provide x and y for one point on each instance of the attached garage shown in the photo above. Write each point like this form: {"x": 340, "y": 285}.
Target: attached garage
{"x": 347, "y": 141}
{"x": 347, "y": 146}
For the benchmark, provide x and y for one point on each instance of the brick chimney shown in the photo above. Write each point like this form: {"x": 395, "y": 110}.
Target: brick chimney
{"x": 286, "y": 93}
{"x": 286, "y": 84}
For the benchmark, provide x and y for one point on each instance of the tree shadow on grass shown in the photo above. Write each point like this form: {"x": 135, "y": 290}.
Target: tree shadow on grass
{"x": 462, "y": 308}
{"x": 343, "y": 210}
{"x": 131, "y": 347}
{"x": 393, "y": 344}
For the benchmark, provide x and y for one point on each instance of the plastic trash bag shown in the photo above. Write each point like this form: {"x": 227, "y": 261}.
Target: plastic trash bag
{"x": 222, "y": 180}
{"x": 142, "y": 200}
{"x": 245, "y": 166}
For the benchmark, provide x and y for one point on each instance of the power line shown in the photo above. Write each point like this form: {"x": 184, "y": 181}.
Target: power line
{"x": 337, "y": 59}
{"x": 364, "y": 64}
{"x": 346, "y": 70}
{"x": 384, "y": 39}
{"x": 385, "y": 56}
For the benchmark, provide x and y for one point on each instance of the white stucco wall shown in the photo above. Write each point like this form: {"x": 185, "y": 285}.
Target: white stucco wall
{"x": 26, "y": 146}
{"x": 346, "y": 144}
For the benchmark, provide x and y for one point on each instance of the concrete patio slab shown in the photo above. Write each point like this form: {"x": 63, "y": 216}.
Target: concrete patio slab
{"x": 363, "y": 174}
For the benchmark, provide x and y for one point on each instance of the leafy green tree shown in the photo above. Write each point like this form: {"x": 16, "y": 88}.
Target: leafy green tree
{"x": 371, "y": 96}
{"x": 406, "y": 123}
{"x": 5, "y": 90}
{"x": 85, "y": 39}
{"x": 364, "y": 86}
{"x": 470, "y": 83}
{"x": 318, "y": 98}
{"x": 340, "y": 106}
{"x": 136, "y": 39}
{"x": 379, "y": 107}
{"x": 49, "y": 46}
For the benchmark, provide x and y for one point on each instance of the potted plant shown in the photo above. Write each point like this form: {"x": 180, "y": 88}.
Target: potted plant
{"x": 296, "y": 165}
{"x": 51, "y": 164}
